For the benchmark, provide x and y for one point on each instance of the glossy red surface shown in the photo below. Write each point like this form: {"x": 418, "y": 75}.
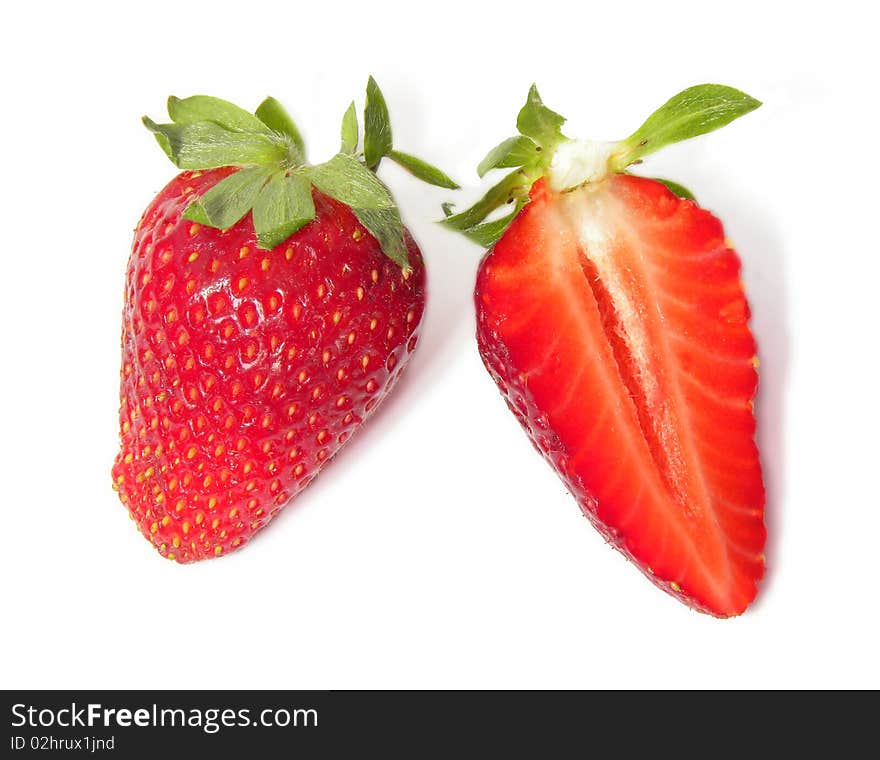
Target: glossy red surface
{"x": 244, "y": 371}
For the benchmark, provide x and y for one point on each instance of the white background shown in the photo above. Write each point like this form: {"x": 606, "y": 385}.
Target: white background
{"x": 438, "y": 550}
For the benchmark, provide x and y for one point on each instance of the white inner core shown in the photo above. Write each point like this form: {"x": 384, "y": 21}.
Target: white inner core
{"x": 578, "y": 161}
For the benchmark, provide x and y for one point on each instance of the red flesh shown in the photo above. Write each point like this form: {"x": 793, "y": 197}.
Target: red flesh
{"x": 614, "y": 322}
{"x": 244, "y": 370}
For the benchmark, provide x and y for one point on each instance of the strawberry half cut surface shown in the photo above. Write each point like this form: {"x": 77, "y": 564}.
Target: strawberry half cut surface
{"x": 611, "y": 315}
{"x": 270, "y": 306}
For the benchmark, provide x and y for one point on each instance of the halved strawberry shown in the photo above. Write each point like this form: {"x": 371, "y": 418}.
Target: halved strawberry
{"x": 612, "y": 316}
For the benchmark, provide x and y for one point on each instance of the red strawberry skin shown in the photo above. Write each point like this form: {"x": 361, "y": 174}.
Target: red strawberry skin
{"x": 245, "y": 370}
{"x": 613, "y": 320}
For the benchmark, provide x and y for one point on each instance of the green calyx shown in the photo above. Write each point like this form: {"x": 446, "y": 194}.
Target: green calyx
{"x": 274, "y": 182}
{"x": 540, "y": 149}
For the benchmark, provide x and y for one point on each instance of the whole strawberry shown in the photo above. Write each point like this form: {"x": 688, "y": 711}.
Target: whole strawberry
{"x": 611, "y": 315}
{"x": 270, "y": 306}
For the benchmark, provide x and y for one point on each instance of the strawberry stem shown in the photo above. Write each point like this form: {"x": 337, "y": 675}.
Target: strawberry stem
{"x": 542, "y": 150}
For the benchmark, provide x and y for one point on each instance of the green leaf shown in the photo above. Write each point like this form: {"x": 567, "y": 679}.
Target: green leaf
{"x": 271, "y": 113}
{"x": 385, "y": 225}
{"x": 196, "y": 213}
{"x": 349, "y": 130}
{"x": 487, "y": 234}
{"x": 537, "y": 121}
{"x": 680, "y": 190}
{"x": 514, "y": 185}
{"x": 283, "y": 206}
{"x": 514, "y": 151}
{"x": 206, "y": 145}
{"x": 422, "y": 170}
{"x": 447, "y": 208}
{"x": 220, "y": 112}
{"x": 377, "y": 126}
{"x": 694, "y": 111}
{"x": 163, "y": 141}
{"x": 229, "y": 200}
{"x": 346, "y": 179}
